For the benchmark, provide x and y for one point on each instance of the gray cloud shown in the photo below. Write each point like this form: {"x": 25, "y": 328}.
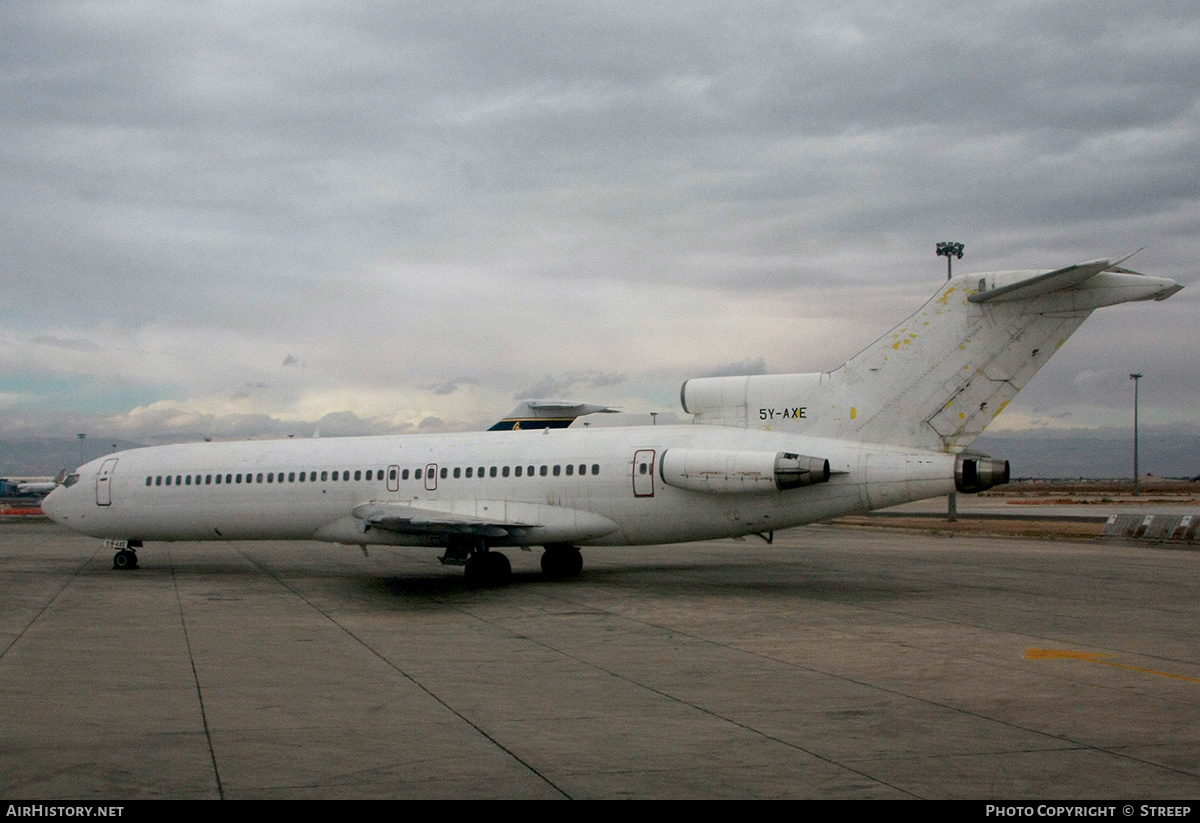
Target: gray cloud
{"x": 571, "y": 197}
{"x": 755, "y": 365}
{"x": 552, "y": 386}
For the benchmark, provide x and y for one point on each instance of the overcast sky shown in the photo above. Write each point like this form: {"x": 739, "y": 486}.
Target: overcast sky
{"x": 234, "y": 219}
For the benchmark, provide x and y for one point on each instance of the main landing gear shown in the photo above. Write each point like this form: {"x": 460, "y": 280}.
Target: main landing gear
{"x": 560, "y": 561}
{"x": 487, "y": 568}
{"x": 126, "y": 557}
{"x": 482, "y": 567}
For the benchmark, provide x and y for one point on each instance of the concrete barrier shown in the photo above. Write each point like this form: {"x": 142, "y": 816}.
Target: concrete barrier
{"x": 1153, "y": 528}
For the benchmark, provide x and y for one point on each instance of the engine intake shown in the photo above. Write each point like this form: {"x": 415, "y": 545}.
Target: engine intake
{"x": 722, "y": 471}
{"x": 977, "y": 472}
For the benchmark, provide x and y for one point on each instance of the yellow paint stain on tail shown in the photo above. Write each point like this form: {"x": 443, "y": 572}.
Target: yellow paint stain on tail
{"x": 853, "y": 412}
{"x": 1002, "y": 405}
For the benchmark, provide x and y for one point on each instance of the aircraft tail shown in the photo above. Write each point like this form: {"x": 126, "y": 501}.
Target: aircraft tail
{"x": 939, "y": 378}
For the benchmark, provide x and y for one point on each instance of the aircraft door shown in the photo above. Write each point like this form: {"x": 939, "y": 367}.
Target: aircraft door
{"x": 643, "y": 473}
{"x": 393, "y": 478}
{"x": 431, "y": 477}
{"x": 103, "y": 482}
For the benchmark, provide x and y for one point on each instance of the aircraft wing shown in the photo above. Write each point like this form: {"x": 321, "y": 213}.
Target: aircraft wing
{"x": 485, "y": 518}
{"x": 405, "y": 519}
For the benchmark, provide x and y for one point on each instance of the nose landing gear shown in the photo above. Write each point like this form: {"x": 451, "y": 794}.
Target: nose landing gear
{"x": 126, "y": 557}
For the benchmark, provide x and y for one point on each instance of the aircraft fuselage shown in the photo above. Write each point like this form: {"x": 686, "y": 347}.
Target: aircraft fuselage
{"x": 581, "y": 481}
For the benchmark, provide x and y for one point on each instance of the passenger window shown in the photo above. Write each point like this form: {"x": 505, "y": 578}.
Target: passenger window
{"x": 443, "y": 472}
{"x": 416, "y": 474}
{"x": 258, "y": 479}
{"x": 457, "y": 471}
{"x": 543, "y": 471}
{"x": 570, "y": 470}
{"x": 556, "y": 470}
{"x": 358, "y": 474}
{"x": 469, "y": 471}
{"x": 531, "y": 471}
{"x": 492, "y": 471}
{"x": 178, "y": 480}
{"x": 158, "y": 480}
{"x": 504, "y": 472}
{"x": 324, "y": 476}
{"x": 228, "y": 478}
{"x": 642, "y": 468}
{"x": 595, "y": 468}
{"x": 148, "y": 481}
{"x": 271, "y": 477}
{"x": 208, "y": 479}
{"x": 291, "y": 477}
{"x": 518, "y": 470}
{"x": 404, "y": 475}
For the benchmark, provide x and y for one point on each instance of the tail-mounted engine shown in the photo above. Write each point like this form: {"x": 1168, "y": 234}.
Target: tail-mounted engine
{"x": 721, "y": 471}
{"x": 976, "y": 472}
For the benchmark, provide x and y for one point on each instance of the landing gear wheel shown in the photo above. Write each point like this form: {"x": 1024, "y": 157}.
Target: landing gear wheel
{"x": 125, "y": 560}
{"x": 488, "y": 569}
{"x": 560, "y": 562}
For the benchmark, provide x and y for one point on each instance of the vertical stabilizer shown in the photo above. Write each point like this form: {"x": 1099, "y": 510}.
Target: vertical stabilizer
{"x": 939, "y": 378}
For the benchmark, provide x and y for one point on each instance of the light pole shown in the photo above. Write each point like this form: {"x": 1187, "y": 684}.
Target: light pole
{"x": 950, "y": 250}
{"x": 1135, "y": 378}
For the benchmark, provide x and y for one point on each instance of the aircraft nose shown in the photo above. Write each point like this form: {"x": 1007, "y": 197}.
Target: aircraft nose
{"x": 51, "y": 504}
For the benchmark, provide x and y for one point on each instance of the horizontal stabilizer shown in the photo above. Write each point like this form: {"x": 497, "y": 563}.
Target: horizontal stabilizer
{"x": 547, "y": 414}
{"x": 1056, "y": 280}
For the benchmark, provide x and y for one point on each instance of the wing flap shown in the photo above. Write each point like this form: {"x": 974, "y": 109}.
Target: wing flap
{"x": 405, "y": 519}
{"x": 515, "y": 522}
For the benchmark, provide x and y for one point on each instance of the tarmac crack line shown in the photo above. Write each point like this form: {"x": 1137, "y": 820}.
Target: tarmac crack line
{"x": 680, "y": 700}
{"x": 396, "y": 668}
{"x": 46, "y": 606}
{"x": 895, "y": 692}
{"x": 212, "y": 753}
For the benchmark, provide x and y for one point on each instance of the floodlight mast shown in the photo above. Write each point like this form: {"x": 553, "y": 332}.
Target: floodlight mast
{"x": 950, "y": 250}
{"x": 1135, "y": 378}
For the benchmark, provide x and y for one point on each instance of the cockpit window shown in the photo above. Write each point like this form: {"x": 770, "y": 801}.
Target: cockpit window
{"x": 71, "y": 480}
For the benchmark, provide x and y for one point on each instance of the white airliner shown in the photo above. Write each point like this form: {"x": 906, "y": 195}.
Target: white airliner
{"x": 762, "y": 453}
